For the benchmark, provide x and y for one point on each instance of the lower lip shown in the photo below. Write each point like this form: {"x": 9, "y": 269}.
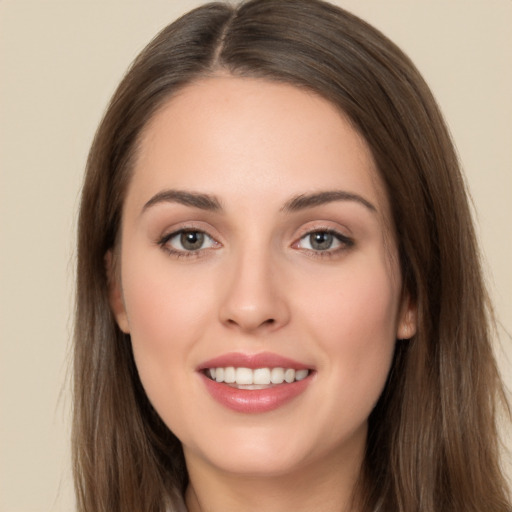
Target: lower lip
{"x": 255, "y": 400}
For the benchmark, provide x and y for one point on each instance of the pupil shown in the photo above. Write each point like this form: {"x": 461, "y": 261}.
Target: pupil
{"x": 192, "y": 240}
{"x": 321, "y": 241}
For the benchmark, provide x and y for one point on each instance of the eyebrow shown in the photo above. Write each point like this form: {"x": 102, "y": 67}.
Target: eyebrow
{"x": 304, "y": 201}
{"x": 194, "y": 199}
{"x": 297, "y": 203}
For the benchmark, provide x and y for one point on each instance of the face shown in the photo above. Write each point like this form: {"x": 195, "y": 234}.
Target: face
{"x": 258, "y": 277}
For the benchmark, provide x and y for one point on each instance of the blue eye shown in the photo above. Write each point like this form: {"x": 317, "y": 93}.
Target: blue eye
{"x": 187, "y": 240}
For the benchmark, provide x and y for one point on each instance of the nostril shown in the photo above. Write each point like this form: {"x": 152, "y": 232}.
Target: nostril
{"x": 268, "y": 322}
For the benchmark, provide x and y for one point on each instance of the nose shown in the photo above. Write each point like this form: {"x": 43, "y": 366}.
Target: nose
{"x": 253, "y": 300}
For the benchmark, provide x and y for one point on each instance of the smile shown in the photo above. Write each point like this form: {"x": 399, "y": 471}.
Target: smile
{"x": 258, "y": 378}
{"x": 255, "y": 383}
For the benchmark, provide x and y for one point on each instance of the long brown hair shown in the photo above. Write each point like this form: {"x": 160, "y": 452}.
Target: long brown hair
{"x": 433, "y": 442}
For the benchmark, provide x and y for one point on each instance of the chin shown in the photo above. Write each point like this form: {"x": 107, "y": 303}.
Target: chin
{"x": 262, "y": 464}
{"x": 273, "y": 452}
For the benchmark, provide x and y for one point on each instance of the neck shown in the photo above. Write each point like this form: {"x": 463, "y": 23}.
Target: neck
{"x": 316, "y": 486}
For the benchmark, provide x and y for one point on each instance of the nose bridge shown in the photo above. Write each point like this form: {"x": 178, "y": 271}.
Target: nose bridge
{"x": 253, "y": 298}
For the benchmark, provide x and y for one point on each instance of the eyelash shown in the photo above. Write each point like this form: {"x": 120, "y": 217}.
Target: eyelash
{"x": 345, "y": 243}
{"x": 183, "y": 253}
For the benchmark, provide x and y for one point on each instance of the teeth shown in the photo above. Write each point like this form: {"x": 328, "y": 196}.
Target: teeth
{"x": 243, "y": 376}
{"x": 258, "y": 377}
{"x": 289, "y": 375}
{"x": 301, "y": 374}
{"x": 229, "y": 375}
{"x": 277, "y": 376}
{"x": 261, "y": 376}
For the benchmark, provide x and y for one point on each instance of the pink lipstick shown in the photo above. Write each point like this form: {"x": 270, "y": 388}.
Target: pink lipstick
{"x": 254, "y": 383}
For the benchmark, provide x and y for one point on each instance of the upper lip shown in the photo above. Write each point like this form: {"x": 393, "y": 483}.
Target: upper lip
{"x": 253, "y": 361}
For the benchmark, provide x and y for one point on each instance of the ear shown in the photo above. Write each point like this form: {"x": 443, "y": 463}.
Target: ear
{"x": 115, "y": 292}
{"x": 408, "y": 318}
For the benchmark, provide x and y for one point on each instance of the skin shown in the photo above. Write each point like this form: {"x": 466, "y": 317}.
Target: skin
{"x": 257, "y": 284}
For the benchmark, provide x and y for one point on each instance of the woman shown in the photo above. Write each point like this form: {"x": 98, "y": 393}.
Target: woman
{"x": 280, "y": 302}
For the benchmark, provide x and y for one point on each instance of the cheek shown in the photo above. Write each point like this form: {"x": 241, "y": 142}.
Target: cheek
{"x": 353, "y": 317}
{"x": 167, "y": 314}
{"x": 160, "y": 297}
{"x": 361, "y": 299}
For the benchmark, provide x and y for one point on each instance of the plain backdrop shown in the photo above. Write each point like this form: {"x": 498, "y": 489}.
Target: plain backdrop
{"x": 59, "y": 64}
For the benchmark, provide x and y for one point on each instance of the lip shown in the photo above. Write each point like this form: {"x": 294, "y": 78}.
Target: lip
{"x": 253, "y": 361}
{"x": 257, "y": 400}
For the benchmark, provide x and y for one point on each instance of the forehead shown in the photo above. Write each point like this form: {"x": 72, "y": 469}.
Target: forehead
{"x": 244, "y": 135}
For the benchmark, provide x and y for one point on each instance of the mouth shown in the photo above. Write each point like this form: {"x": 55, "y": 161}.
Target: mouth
{"x": 255, "y": 383}
{"x": 258, "y": 378}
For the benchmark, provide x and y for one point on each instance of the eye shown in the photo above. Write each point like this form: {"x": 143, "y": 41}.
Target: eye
{"x": 324, "y": 241}
{"x": 187, "y": 240}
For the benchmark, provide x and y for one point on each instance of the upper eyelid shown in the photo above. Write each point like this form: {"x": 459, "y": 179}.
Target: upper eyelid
{"x": 175, "y": 232}
{"x": 181, "y": 227}
{"x": 340, "y": 236}
{"x": 312, "y": 227}
{"x": 323, "y": 230}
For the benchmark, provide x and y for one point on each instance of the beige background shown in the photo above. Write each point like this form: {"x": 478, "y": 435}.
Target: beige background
{"x": 59, "y": 64}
